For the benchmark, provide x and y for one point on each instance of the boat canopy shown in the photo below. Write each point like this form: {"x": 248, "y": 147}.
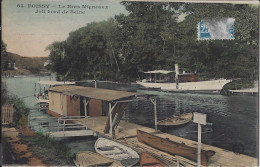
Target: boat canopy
{"x": 158, "y": 72}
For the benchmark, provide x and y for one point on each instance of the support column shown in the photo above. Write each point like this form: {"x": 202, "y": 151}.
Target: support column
{"x": 85, "y": 106}
{"x": 110, "y": 121}
{"x": 199, "y": 145}
{"x": 155, "y": 112}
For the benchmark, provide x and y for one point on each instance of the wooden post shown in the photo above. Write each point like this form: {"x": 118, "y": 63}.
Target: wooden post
{"x": 176, "y": 75}
{"x": 63, "y": 124}
{"x": 85, "y": 106}
{"x": 200, "y": 119}
{"x": 199, "y": 145}
{"x": 95, "y": 83}
{"x": 155, "y": 112}
{"x": 111, "y": 121}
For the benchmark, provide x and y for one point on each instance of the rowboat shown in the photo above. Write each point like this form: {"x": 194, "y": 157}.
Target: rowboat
{"x": 116, "y": 151}
{"x": 172, "y": 147}
{"x": 87, "y": 158}
{"x": 176, "y": 120}
{"x": 147, "y": 159}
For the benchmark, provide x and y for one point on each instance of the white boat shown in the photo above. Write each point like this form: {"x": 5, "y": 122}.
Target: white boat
{"x": 42, "y": 97}
{"x": 117, "y": 151}
{"x": 183, "y": 82}
{"x": 212, "y": 85}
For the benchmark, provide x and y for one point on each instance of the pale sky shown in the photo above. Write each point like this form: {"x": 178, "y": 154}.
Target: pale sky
{"x": 28, "y": 33}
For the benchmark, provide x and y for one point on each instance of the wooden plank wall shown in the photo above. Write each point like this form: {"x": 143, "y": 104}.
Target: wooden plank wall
{"x": 7, "y": 114}
{"x": 73, "y": 106}
{"x": 95, "y": 108}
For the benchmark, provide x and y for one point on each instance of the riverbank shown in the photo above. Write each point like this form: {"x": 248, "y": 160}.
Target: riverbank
{"x": 25, "y": 147}
{"x": 21, "y": 151}
{"x": 24, "y": 73}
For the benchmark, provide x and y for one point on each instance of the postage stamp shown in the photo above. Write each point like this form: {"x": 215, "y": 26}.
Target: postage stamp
{"x": 216, "y": 29}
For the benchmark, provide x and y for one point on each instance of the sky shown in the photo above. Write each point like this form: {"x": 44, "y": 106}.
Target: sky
{"x": 28, "y": 32}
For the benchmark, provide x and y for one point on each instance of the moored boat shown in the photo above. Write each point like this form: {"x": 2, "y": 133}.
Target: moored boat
{"x": 116, "y": 151}
{"x": 172, "y": 147}
{"x": 176, "y": 120}
{"x": 181, "y": 82}
{"x": 147, "y": 159}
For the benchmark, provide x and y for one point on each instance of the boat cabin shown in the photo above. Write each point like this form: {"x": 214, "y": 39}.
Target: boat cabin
{"x": 163, "y": 76}
{"x": 159, "y": 76}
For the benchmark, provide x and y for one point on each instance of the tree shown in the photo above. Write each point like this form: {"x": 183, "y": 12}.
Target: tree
{"x": 4, "y": 57}
{"x": 58, "y": 58}
{"x": 215, "y": 59}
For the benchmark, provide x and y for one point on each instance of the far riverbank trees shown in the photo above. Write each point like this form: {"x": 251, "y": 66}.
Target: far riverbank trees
{"x": 151, "y": 37}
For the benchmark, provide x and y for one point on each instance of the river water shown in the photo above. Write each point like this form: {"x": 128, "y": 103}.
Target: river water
{"x": 234, "y": 118}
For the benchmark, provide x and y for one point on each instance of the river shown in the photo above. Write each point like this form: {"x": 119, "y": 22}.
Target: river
{"x": 234, "y": 118}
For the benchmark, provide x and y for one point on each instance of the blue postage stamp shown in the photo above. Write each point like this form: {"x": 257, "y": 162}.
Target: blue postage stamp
{"x": 216, "y": 29}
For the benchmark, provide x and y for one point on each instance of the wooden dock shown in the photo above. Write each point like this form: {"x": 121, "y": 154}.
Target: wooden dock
{"x": 126, "y": 133}
{"x": 71, "y": 133}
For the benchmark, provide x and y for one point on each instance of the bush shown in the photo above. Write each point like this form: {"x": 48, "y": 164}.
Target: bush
{"x": 20, "y": 109}
{"x": 52, "y": 146}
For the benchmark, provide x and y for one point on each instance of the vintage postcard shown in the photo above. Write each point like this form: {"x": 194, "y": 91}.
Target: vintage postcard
{"x": 130, "y": 83}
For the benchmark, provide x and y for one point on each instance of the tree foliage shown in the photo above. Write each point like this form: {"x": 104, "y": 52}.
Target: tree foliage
{"x": 4, "y": 56}
{"x": 150, "y": 37}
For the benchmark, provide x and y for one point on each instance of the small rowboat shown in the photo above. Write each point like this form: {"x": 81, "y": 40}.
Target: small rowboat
{"x": 147, "y": 159}
{"x": 116, "y": 151}
{"x": 176, "y": 120}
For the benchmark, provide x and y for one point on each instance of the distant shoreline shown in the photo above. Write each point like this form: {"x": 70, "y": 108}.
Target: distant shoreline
{"x": 23, "y": 72}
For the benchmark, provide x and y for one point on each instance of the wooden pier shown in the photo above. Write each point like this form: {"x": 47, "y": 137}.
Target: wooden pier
{"x": 126, "y": 133}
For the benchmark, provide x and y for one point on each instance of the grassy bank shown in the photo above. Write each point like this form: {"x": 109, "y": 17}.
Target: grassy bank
{"x": 55, "y": 151}
{"x": 30, "y": 148}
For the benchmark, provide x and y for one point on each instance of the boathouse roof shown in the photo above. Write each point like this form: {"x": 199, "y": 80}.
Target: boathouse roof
{"x": 97, "y": 93}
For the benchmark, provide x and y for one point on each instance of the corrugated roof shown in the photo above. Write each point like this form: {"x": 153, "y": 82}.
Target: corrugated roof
{"x": 94, "y": 93}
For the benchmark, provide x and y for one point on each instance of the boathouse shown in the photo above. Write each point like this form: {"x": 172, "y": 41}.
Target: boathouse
{"x": 68, "y": 100}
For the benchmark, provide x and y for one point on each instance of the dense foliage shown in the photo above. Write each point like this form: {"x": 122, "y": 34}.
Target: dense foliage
{"x": 20, "y": 109}
{"x": 4, "y": 57}
{"x": 151, "y": 37}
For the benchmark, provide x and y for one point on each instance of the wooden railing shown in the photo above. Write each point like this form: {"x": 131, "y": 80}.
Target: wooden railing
{"x": 7, "y": 114}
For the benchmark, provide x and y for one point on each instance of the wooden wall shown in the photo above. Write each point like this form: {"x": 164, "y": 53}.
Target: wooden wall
{"x": 73, "y": 106}
{"x": 95, "y": 108}
{"x": 57, "y": 103}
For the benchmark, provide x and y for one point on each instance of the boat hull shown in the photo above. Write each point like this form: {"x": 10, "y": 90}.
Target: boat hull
{"x": 116, "y": 151}
{"x": 213, "y": 85}
{"x": 176, "y": 121}
{"x": 172, "y": 147}
{"x": 148, "y": 160}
